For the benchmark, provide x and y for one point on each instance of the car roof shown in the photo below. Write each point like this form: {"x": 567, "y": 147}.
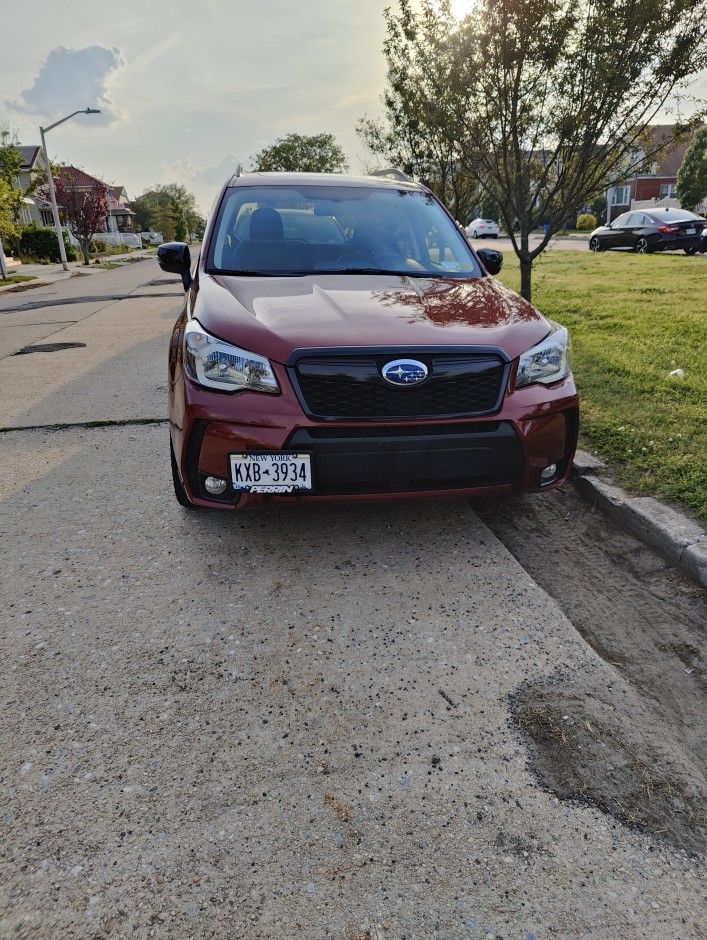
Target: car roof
{"x": 323, "y": 179}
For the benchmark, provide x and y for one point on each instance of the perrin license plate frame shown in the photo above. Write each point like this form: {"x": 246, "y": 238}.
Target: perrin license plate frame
{"x": 272, "y": 472}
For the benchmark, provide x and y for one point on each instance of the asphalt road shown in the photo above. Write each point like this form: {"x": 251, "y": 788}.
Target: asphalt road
{"x": 558, "y": 243}
{"x": 286, "y": 723}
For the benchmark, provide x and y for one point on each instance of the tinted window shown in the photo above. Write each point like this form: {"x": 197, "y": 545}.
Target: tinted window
{"x": 675, "y": 215}
{"x": 621, "y": 221}
{"x": 310, "y": 229}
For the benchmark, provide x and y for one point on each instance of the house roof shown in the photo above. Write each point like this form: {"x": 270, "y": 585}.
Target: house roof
{"x": 668, "y": 163}
{"x": 30, "y": 154}
{"x": 80, "y": 178}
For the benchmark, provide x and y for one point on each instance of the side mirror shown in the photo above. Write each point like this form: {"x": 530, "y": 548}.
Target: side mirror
{"x": 174, "y": 258}
{"x": 491, "y": 259}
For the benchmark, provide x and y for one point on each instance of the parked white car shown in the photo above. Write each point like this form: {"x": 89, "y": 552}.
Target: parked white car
{"x": 482, "y": 228}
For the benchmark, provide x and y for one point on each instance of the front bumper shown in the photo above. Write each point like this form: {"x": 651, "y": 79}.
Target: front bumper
{"x": 535, "y": 427}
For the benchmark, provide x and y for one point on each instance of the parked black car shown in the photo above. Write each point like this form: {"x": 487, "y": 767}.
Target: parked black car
{"x": 655, "y": 230}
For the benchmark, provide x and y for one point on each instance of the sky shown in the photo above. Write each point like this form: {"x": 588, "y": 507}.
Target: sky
{"x": 188, "y": 90}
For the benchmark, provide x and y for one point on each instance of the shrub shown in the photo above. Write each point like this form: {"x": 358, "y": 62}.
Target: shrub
{"x": 586, "y": 222}
{"x": 40, "y": 244}
{"x": 98, "y": 245}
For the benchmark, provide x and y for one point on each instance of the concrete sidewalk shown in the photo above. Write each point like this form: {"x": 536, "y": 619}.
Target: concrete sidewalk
{"x": 47, "y": 273}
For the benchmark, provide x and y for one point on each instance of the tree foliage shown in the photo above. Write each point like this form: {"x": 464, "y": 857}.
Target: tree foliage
{"x": 10, "y": 194}
{"x": 692, "y": 175}
{"x": 170, "y": 209}
{"x": 83, "y": 207}
{"x": 545, "y": 103}
{"x": 317, "y": 153}
{"x": 410, "y": 138}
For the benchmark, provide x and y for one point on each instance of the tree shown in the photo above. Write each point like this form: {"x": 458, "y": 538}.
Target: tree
{"x": 84, "y": 207}
{"x": 170, "y": 209}
{"x": 409, "y": 139}
{"x": 692, "y": 175}
{"x": 318, "y": 153}
{"x": 547, "y": 103}
{"x": 11, "y": 195}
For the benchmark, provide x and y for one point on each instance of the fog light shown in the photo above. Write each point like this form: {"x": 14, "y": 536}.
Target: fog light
{"x": 548, "y": 473}
{"x": 214, "y": 486}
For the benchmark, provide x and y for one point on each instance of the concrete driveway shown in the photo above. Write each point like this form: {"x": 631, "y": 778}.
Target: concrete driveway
{"x": 277, "y": 724}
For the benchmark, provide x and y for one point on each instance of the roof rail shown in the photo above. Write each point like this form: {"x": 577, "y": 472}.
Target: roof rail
{"x": 239, "y": 170}
{"x": 393, "y": 174}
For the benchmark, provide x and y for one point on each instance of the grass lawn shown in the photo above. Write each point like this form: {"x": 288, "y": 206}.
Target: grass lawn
{"x": 16, "y": 279}
{"x": 634, "y": 319}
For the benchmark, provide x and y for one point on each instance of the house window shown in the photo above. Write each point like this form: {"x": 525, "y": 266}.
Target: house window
{"x": 620, "y": 196}
{"x": 667, "y": 190}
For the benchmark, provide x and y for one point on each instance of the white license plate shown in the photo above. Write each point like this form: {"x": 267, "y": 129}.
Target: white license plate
{"x": 689, "y": 231}
{"x": 271, "y": 473}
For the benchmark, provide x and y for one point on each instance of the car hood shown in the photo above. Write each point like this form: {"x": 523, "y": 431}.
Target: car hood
{"x": 275, "y": 316}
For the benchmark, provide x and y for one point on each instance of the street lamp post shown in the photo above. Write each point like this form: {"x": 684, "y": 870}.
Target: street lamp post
{"x": 50, "y": 181}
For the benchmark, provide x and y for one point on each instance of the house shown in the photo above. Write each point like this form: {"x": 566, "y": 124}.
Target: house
{"x": 33, "y": 165}
{"x": 119, "y": 216}
{"x": 656, "y": 188}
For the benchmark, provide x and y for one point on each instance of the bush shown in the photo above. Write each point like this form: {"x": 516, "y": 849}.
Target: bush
{"x": 586, "y": 222}
{"x": 40, "y": 244}
{"x": 98, "y": 245}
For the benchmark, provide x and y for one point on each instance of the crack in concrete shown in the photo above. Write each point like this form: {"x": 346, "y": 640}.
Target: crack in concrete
{"x": 85, "y": 425}
{"x": 66, "y": 301}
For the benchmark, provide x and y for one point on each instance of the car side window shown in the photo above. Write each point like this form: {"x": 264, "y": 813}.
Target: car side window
{"x": 621, "y": 221}
{"x": 635, "y": 218}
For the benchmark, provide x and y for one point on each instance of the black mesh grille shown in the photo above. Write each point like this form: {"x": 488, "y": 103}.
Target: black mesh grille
{"x": 341, "y": 387}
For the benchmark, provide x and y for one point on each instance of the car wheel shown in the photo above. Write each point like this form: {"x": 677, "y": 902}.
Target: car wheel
{"x": 594, "y": 244}
{"x": 642, "y": 247}
{"x": 690, "y": 251}
{"x": 473, "y": 234}
{"x": 179, "y": 490}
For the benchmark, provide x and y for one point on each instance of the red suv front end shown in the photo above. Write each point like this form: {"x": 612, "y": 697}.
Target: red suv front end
{"x": 341, "y": 340}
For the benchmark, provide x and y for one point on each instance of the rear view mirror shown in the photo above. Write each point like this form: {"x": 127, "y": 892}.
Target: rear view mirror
{"x": 491, "y": 259}
{"x": 174, "y": 257}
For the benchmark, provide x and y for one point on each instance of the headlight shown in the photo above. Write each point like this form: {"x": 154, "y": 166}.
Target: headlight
{"x": 215, "y": 364}
{"x": 547, "y": 362}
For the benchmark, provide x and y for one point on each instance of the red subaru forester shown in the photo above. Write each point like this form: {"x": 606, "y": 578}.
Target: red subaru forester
{"x": 341, "y": 340}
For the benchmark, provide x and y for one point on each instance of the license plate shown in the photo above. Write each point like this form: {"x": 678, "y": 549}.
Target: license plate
{"x": 271, "y": 473}
{"x": 689, "y": 231}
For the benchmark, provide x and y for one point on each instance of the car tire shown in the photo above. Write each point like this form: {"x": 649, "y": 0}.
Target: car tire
{"x": 179, "y": 491}
{"x": 642, "y": 246}
{"x": 595, "y": 244}
{"x": 474, "y": 234}
{"x": 690, "y": 251}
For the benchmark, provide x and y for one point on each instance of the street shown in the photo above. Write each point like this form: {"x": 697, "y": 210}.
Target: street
{"x": 312, "y": 722}
{"x": 559, "y": 242}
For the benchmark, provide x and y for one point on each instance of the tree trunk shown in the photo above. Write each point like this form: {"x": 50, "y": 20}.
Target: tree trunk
{"x": 85, "y": 248}
{"x": 526, "y": 268}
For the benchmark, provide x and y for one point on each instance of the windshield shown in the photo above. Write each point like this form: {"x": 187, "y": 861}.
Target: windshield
{"x": 288, "y": 230}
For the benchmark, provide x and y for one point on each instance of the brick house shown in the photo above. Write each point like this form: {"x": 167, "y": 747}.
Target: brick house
{"x": 656, "y": 188}
{"x": 120, "y": 215}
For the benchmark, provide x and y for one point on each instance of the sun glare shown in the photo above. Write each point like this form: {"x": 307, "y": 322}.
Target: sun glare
{"x": 460, "y": 8}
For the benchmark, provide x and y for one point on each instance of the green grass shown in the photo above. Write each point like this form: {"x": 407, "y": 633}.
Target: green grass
{"x": 634, "y": 319}
{"x": 16, "y": 279}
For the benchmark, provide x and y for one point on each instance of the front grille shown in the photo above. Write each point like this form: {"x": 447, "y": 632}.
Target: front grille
{"x": 351, "y": 387}
{"x": 468, "y": 457}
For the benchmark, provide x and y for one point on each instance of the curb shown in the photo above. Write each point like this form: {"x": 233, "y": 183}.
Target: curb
{"x": 679, "y": 540}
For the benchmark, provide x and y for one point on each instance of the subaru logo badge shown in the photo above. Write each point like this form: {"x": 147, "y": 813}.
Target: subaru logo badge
{"x": 404, "y": 372}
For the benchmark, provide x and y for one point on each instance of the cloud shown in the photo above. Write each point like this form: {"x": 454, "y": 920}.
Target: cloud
{"x": 184, "y": 170}
{"x": 70, "y": 79}
{"x": 217, "y": 175}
